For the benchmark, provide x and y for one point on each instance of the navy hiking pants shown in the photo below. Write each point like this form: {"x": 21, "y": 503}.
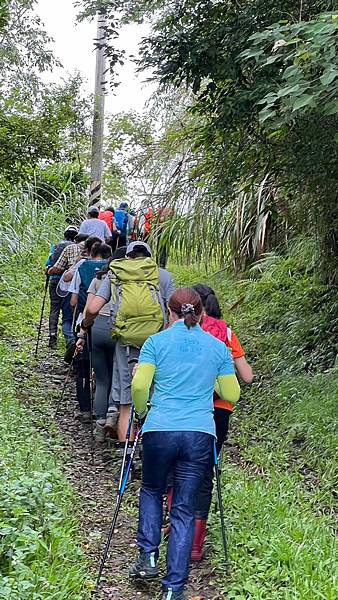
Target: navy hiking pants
{"x": 187, "y": 454}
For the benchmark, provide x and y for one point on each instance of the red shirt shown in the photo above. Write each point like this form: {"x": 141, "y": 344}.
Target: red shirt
{"x": 108, "y": 217}
{"x": 220, "y": 330}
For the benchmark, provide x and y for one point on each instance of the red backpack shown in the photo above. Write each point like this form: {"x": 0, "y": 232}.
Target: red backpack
{"x": 217, "y": 328}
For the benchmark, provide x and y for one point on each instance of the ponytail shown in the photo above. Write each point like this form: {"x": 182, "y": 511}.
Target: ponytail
{"x": 187, "y": 305}
{"x": 209, "y": 300}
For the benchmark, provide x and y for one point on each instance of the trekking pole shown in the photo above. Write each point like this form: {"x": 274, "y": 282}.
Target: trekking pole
{"x": 91, "y": 391}
{"x": 126, "y": 445}
{"x": 65, "y": 384}
{"x": 41, "y": 317}
{"x": 120, "y": 494}
{"x": 221, "y": 509}
{"x": 219, "y": 467}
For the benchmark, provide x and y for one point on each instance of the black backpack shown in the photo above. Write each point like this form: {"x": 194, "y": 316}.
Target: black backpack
{"x": 59, "y": 248}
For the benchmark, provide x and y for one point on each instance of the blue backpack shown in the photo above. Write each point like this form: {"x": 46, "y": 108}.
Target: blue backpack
{"x": 88, "y": 270}
{"x": 121, "y": 219}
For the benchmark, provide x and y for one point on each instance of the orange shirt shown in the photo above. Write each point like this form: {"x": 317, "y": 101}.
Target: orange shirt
{"x": 220, "y": 330}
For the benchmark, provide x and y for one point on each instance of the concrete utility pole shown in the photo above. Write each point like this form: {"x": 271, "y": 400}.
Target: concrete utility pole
{"x": 98, "y": 121}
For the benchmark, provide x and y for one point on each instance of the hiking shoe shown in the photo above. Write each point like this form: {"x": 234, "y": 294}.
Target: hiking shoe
{"x": 169, "y": 594}
{"x": 69, "y": 354}
{"x": 53, "y": 342}
{"x": 145, "y": 567}
{"x": 100, "y": 432}
{"x": 85, "y": 416}
{"x": 111, "y": 419}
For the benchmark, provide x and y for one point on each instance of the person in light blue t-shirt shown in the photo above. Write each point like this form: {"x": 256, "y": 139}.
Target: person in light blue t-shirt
{"x": 185, "y": 364}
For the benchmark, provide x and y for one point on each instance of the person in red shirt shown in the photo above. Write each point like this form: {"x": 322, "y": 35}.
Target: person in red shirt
{"x": 212, "y": 323}
{"x": 107, "y": 216}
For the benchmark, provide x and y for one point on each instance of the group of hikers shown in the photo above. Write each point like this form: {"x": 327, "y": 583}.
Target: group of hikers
{"x": 166, "y": 352}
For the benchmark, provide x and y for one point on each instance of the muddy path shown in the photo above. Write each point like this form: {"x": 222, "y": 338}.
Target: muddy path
{"x": 96, "y": 491}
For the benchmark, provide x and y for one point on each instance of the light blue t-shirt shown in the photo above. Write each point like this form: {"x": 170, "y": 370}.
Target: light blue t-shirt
{"x": 188, "y": 362}
{"x": 95, "y": 228}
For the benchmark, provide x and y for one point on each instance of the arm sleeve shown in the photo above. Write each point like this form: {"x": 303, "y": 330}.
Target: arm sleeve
{"x": 171, "y": 288}
{"x": 105, "y": 290}
{"x": 93, "y": 287}
{"x": 140, "y": 387}
{"x": 227, "y": 388}
{"x": 167, "y": 285}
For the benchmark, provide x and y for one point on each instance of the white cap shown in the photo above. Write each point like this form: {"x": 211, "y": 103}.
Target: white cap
{"x": 131, "y": 247}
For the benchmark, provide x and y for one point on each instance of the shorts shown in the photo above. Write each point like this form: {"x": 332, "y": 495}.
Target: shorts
{"x": 125, "y": 358}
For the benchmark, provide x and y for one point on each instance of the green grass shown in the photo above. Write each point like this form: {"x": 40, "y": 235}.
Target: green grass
{"x": 40, "y": 554}
{"x": 280, "y": 471}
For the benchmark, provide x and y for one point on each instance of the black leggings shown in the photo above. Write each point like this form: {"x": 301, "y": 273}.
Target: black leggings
{"x": 81, "y": 364}
{"x": 204, "y": 498}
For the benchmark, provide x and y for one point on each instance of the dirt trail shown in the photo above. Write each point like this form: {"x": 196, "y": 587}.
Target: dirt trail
{"x": 97, "y": 492}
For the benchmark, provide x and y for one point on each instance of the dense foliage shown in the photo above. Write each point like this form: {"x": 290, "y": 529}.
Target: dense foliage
{"x": 40, "y": 124}
{"x": 258, "y": 142}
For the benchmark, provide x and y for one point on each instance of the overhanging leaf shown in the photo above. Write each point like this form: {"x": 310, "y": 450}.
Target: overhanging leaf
{"x": 302, "y": 101}
{"x": 328, "y": 76}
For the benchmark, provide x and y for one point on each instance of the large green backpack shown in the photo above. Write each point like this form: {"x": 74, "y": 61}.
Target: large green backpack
{"x": 137, "y": 306}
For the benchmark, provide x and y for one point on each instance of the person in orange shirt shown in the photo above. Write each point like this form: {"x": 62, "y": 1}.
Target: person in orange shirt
{"x": 212, "y": 323}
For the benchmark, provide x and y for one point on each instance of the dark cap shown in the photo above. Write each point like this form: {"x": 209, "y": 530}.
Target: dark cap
{"x": 93, "y": 210}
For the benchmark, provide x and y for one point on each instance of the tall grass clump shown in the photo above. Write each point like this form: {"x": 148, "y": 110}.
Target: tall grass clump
{"x": 29, "y": 226}
{"x": 40, "y": 553}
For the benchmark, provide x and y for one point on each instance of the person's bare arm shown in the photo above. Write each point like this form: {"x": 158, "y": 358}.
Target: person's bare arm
{"x": 73, "y": 300}
{"x": 244, "y": 371}
{"x": 92, "y": 309}
{"x": 54, "y": 271}
{"x": 68, "y": 275}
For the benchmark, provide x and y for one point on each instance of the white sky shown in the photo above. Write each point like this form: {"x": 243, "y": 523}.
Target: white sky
{"x": 74, "y": 48}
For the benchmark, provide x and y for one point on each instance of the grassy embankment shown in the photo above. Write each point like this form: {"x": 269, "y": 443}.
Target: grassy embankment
{"x": 279, "y": 485}
{"x": 40, "y": 556}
